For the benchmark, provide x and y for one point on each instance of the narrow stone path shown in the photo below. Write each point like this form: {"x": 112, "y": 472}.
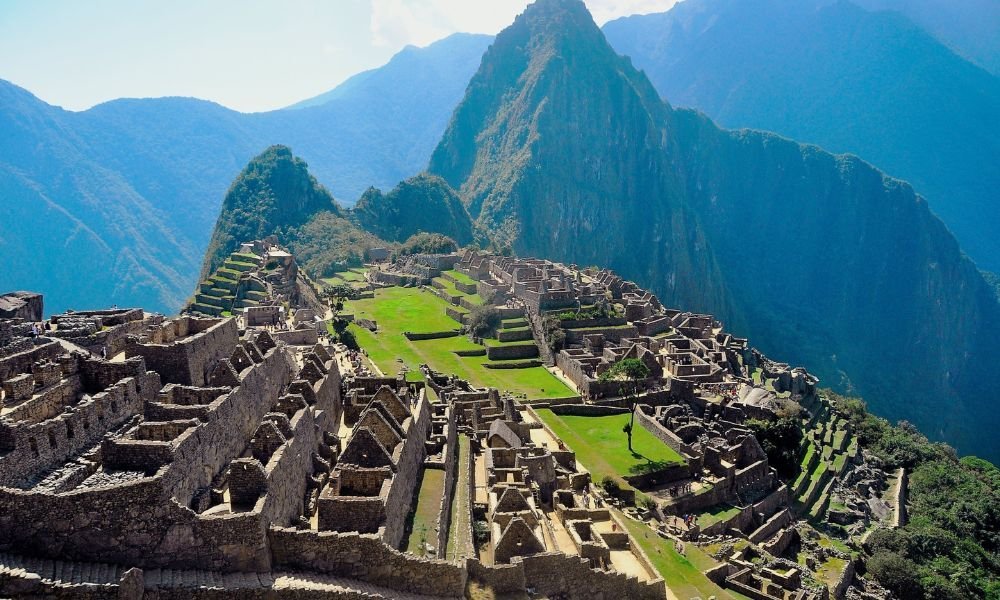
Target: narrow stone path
{"x": 459, "y": 543}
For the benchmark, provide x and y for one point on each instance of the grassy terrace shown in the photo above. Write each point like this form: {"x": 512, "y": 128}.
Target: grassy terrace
{"x": 682, "y": 574}
{"x": 459, "y": 277}
{"x": 425, "y": 514}
{"x": 350, "y": 276}
{"x": 450, "y": 288}
{"x": 397, "y": 309}
{"x": 601, "y": 445}
{"x": 715, "y": 514}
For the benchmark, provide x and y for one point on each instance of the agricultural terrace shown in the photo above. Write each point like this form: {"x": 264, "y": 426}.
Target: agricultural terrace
{"x": 602, "y": 447}
{"x": 397, "y": 310}
{"x": 683, "y": 574}
{"x": 349, "y": 277}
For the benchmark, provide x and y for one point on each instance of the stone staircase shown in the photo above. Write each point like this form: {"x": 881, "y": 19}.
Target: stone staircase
{"x": 66, "y": 572}
{"x": 69, "y": 573}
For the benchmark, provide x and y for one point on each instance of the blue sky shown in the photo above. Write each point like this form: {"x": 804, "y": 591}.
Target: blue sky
{"x": 249, "y": 55}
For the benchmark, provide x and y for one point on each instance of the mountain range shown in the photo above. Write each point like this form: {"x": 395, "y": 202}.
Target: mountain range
{"x": 131, "y": 187}
{"x": 871, "y": 83}
{"x": 125, "y": 194}
{"x": 561, "y": 148}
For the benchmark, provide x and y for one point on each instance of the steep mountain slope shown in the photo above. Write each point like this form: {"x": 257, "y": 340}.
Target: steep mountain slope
{"x": 872, "y": 84}
{"x": 142, "y": 179}
{"x": 968, "y": 27}
{"x": 557, "y": 150}
{"x": 561, "y": 148}
{"x": 381, "y": 129}
{"x": 275, "y": 194}
{"x": 413, "y": 66}
{"x": 71, "y": 228}
{"x": 421, "y": 203}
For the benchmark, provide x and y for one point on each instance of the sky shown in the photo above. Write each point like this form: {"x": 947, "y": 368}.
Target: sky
{"x": 249, "y": 55}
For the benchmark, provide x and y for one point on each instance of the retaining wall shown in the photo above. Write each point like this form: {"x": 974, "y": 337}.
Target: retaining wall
{"x": 364, "y": 557}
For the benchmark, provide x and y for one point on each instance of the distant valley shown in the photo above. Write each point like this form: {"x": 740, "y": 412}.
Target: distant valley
{"x": 130, "y": 189}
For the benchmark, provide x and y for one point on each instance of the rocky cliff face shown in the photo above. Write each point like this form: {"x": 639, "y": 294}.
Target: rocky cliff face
{"x": 557, "y": 150}
{"x": 562, "y": 149}
{"x": 836, "y": 266}
{"x": 831, "y": 73}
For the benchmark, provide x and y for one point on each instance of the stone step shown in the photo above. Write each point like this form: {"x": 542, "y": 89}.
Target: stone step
{"x": 69, "y": 572}
{"x": 77, "y": 572}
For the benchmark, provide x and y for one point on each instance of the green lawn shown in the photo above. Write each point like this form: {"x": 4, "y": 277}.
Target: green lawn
{"x": 450, "y": 288}
{"x": 460, "y": 277}
{"x": 426, "y": 512}
{"x": 715, "y": 514}
{"x": 682, "y": 574}
{"x": 601, "y": 445}
{"x": 397, "y": 309}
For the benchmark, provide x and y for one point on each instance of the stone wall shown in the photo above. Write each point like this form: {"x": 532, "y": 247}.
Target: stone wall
{"x": 431, "y": 335}
{"x": 307, "y": 336}
{"x": 662, "y": 433}
{"x": 571, "y": 577}
{"x": 289, "y": 468}
{"x": 20, "y": 362}
{"x": 231, "y": 422}
{"x": 189, "y": 359}
{"x": 129, "y": 523}
{"x": 501, "y": 579}
{"x": 839, "y": 590}
{"x": 364, "y": 557}
{"x": 611, "y": 334}
{"x": 38, "y": 447}
{"x": 512, "y": 352}
{"x": 450, "y": 478}
{"x": 411, "y": 458}
{"x": 589, "y": 410}
{"x": 772, "y": 502}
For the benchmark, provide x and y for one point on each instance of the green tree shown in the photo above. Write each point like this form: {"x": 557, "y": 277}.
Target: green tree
{"x": 780, "y": 439}
{"x": 629, "y": 372}
{"x": 337, "y": 295}
{"x": 483, "y": 321}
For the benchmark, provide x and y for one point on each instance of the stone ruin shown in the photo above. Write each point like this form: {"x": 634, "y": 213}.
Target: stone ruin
{"x": 259, "y": 283}
{"x": 704, "y": 384}
{"x": 149, "y": 457}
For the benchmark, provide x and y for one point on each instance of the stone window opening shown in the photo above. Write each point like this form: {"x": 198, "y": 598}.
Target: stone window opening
{"x": 52, "y": 438}
{"x": 33, "y": 445}
{"x": 114, "y": 406}
{"x": 69, "y": 431}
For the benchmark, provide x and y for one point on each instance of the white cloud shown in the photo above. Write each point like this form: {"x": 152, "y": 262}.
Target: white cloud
{"x": 396, "y": 23}
{"x": 606, "y": 10}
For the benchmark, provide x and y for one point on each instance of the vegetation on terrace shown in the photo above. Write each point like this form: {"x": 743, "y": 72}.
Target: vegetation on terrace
{"x": 600, "y": 445}
{"x": 683, "y": 574}
{"x": 950, "y": 547}
{"x": 397, "y": 310}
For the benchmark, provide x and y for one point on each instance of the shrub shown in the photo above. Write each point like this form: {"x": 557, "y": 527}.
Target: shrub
{"x": 483, "y": 321}
{"x": 610, "y": 485}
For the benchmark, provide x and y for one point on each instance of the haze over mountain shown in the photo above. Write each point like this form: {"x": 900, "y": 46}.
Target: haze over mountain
{"x": 831, "y": 73}
{"x": 969, "y": 27}
{"x": 134, "y": 186}
{"x": 562, "y": 149}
